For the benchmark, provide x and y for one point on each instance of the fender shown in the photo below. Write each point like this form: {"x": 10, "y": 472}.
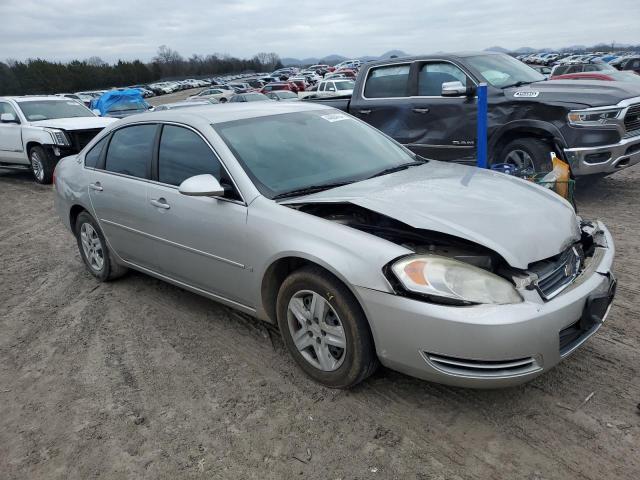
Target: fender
{"x": 528, "y": 125}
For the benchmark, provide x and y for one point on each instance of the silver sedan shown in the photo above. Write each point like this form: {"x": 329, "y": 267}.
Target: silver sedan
{"x": 360, "y": 251}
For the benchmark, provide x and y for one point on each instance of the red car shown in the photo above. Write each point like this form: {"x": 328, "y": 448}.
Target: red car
{"x": 270, "y": 87}
{"x": 604, "y": 75}
{"x": 301, "y": 84}
{"x": 347, "y": 72}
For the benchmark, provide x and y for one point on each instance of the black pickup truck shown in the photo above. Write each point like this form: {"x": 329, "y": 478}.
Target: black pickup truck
{"x": 429, "y": 104}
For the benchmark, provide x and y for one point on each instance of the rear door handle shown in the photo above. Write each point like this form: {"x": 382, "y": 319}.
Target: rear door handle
{"x": 160, "y": 203}
{"x": 421, "y": 110}
{"x": 365, "y": 112}
{"x": 96, "y": 186}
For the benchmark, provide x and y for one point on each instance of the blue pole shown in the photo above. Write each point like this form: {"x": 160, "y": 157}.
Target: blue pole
{"x": 481, "y": 144}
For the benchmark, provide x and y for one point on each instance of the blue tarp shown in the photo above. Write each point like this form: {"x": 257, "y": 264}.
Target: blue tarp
{"x": 115, "y": 97}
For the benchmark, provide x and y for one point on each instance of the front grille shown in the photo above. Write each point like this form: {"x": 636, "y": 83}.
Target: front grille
{"x": 482, "y": 368}
{"x": 632, "y": 118}
{"x": 632, "y": 133}
{"x": 81, "y": 138}
{"x": 554, "y": 275}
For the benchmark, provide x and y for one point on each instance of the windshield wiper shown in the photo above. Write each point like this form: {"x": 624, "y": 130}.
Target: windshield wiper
{"x": 517, "y": 84}
{"x": 397, "y": 168}
{"x": 309, "y": 190}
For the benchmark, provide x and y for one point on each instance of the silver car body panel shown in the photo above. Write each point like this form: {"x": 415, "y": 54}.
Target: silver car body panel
{"x": 222, "y": 249}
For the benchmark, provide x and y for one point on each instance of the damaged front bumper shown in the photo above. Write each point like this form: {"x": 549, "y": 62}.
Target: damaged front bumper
{"x": 488, "y": 346}
{"x": 604, "y": 159}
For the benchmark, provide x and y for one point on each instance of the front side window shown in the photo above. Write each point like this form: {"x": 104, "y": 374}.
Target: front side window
{"x": 433, "y": 75}
{"x": 184, "y": 154}
{"x": 92, "y": 157}
{"x": 503, "y": 71}
{"x": 389, "y": 81}
{"x": 130, "y": 150}
{"x": 6, "y": 108}
{"x": 285, "y": 152}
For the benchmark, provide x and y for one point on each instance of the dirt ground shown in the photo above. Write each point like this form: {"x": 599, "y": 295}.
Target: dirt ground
{"x": 140, "y": 379}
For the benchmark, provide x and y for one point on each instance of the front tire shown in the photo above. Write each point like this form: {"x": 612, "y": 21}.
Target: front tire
{"x": 528, "y": 153}
{"x": 324, "y": 328}
{"x": 94, "y": 250}
{"x": 42, "y": 165}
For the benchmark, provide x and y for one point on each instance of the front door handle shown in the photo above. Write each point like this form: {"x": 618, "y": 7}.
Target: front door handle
{"x": 160, "y": 203}
{"x": 365, "y": 112}
{"x": 96, "y": 186}
{"x": 421, "y": 110}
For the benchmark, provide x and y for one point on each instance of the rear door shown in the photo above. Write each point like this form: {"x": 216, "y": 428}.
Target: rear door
{"x": 440, "y": 127}
{"x": 200, "y": 241}
{"x": 117, "y": 188}
{"x": 385, "y": 102}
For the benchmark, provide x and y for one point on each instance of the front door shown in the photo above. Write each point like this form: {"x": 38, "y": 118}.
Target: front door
{"x": 441, "y": 127}
{"x": 200, "y": 241}
{"x": 11, "y": 149}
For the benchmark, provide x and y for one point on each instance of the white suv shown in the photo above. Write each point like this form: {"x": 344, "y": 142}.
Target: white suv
{"x": 37, "y": 132}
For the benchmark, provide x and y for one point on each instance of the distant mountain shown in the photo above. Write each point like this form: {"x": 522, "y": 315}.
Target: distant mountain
{"x": 497, "y": 49}
{"x": 334, "y": 58}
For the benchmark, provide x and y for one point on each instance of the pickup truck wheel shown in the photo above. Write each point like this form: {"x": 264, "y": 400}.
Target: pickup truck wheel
{"x": 94, "y": 250}
{"x": 324, "y": 328}
{"x": 42, "y": 165}
{"x": 526, "y": 153}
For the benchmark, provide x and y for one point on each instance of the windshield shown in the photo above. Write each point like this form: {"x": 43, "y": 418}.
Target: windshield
{"x": 287, "y": 152}
{"x": 504, "y": 71}
{"x": 344, "y": 85}
{"x": 51, "y": 109}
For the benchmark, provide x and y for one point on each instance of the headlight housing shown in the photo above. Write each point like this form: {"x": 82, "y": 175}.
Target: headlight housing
{"x": 59, "y": 138}
{"x": 443, "y": 277}
{"x": 593, "y": 117}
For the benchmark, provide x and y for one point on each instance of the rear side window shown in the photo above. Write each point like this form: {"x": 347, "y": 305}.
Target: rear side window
{"x": 389, "y": 81}
{"x": 92, "y": 157}
{"x": 184, "y": 154}
{"x": 433, "y": 75}
{"x": 130, "y": 150}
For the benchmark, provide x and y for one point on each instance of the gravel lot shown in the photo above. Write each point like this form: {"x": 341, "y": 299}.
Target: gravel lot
{"x": 140, "y": 379}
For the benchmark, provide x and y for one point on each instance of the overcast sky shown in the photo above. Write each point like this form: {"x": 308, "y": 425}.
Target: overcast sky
{"x": 128, "y": 29}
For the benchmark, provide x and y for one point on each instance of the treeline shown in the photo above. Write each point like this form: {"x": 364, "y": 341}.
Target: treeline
{"x": 38, "y": 76}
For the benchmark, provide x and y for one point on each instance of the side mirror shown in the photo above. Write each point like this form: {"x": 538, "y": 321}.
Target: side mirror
{"x": 201, "y": 186}
{"x": 8, "y": 118}
{"x": 454, "y": 89}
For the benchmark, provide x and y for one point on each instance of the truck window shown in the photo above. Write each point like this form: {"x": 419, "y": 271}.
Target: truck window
{"x": 433, "y": 75}
{"x": 388, "y": 81}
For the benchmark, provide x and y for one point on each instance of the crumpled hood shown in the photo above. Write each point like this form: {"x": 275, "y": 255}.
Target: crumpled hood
{"x": 592, "y": 93}
{"x": 76, "y": 123}
{"x": 520, "y": 221}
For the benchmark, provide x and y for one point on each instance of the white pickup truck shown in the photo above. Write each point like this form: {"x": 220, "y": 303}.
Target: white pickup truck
{"x": 37, "y": 132}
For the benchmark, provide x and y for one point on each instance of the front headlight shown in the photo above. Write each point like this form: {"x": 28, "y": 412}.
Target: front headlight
{"x": 593, "y": 117}
{"x": 59, "y": 138}
{"x": 445, "y": 277}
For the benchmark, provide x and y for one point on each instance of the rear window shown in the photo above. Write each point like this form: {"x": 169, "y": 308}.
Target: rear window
{"x": 130, "y": 150}
{"x": 388, "y": 81}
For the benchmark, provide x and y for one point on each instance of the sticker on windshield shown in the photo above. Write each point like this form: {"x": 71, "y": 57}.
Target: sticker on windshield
{"x": 526, "y": 93}
{"x": 335, "y": 117}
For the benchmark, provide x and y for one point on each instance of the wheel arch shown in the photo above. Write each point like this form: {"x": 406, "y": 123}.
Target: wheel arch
{"x": 530, "y": 129}
{"x": 74, "y": 212}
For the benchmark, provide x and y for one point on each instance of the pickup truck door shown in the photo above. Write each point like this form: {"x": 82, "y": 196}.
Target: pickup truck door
{"x": 440, "y": 127}
{"x": 384, "y": 101}
{"x": 11, "y": 148}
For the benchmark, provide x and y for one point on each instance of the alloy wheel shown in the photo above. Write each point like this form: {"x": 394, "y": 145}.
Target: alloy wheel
{"x": 92, "y": 246}
{"x": 520, "y": 159}
{"x": 36, "y": 166}
{"x": 316, "y": 330}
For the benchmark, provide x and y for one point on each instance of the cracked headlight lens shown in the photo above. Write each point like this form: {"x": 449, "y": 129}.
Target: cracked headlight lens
{"x": 449, "y": 278}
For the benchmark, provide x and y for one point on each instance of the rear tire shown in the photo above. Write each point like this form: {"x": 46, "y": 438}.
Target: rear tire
{"x": 528, "y": 152}
{"x": 223, "y": 100}
{"x": 94, "y": 250}
{"x": 42, "y": 165}
{"x": 337, "y": 319}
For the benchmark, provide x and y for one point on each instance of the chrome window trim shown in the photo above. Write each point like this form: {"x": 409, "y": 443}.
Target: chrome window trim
{"x": 155, "y": 182}
{"x": 464, "y": 70}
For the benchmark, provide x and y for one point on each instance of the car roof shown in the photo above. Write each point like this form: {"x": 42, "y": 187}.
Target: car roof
{"x": 34, "y": 98}
{"x": 434, "y": 56}
{"x": 227, "y": 112}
